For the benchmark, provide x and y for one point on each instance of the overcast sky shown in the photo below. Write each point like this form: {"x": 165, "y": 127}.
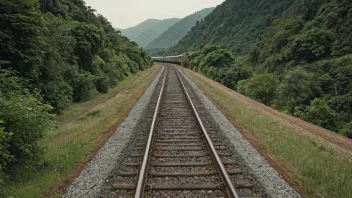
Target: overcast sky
{"x": 127, "y": 13}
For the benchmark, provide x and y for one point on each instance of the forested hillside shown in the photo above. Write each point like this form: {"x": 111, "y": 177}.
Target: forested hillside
{"x": 176, "y": 32}
{"x": 52, "y": 54}
{"x": 293, "y": 55}
{"x": 149, "y": 33}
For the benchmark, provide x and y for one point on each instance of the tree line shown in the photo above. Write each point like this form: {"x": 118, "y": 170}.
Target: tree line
{"x": 53, "y": 53}
{"x": 297, "y": 91}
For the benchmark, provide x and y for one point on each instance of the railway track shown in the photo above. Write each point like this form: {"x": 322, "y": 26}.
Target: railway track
{"x": 178, "y": 152}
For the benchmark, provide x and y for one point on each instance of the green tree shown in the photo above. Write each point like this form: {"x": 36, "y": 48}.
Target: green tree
{"x": 216, "y": 57}
{"x": 312, "y": 45}
{"x": 321, "y": 114}
{"x": 83, "y": 87}
{"x": 298, "y": 87}
{"x": 260, "y": 87}
{"x": 347, "y": 131}
{"x": 89, "y": 43}
{"x": 20, "y": 30}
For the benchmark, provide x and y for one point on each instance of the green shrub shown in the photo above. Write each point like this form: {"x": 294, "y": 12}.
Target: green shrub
{"x": 83, "y": 86}
{"x": 5, "y": 155}
{"x": 261, "y": 87}
{"x": 24, "y": 121}
{"x": 102, "y": 84}
{"x": 321, "y": 114}
{"x": 347, "y": 131}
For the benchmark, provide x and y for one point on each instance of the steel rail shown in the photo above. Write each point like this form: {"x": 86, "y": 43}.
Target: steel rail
{"x": 230, "y": 190}
{"x": 140, "y": 188}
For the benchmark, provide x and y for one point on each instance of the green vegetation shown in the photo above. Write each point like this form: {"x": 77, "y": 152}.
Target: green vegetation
{"x": 217, "y": 64}
{"x": 175, "y": 33}
{"x": 262, "y": 87}
{"x": 24, "y": 120}
{"x": 314, "y": 168}
{"x": 147, "y": 31}
{"x": 292, "y": 55}
{"x": 319, "y": 113}
{"x": 72, "y": 143}
{"x": 53, "y": 54}
{"x": 347, "y": 131}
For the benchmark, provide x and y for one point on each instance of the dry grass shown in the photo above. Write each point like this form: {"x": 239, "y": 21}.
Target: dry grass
{"x": 313, "y": 169}
{"x": 83, "y": 131}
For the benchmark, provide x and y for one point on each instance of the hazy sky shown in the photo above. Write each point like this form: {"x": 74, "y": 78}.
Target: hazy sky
{"x": 127, "y": 13}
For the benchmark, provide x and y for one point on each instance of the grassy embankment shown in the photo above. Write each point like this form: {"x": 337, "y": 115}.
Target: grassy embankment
{"x": 314, "y": 170}
{"x": 81, "y": 131}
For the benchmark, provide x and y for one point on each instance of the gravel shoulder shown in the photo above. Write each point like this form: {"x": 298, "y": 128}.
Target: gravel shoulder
{"x": 269, "y": 178}
{"x": 91, "y": 179}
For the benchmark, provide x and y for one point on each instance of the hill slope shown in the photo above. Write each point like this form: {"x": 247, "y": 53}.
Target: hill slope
{"x": 178, "y": 30}
{"x": 147, "y": 31}
{"x": 293, "y": 55}
{"x": 153, "y": 32}
{"x": 133, "y": 32}
{"x": 234, "y": 25}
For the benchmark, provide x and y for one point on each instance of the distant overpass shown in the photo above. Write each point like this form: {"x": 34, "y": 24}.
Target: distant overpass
{"x": 168, "y": 59}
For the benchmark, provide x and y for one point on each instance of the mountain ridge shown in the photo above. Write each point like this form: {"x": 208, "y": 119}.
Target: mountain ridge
{"x": 177, "y": 31}
{"x": 134, "y": 31}
{"x": 146, "y": 31}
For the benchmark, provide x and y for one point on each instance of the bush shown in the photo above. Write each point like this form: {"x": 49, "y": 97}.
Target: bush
{"x": 83, "y": 86}
{"x": 102, "y": 84}
{"x": 24, "y": 121}
{"x": 5, "y": 155}
{"x": 298, "y": 87}
{"x": 58, "y": 93}
{"x": 261, "y": 87}
{"x": 321, "y": 114}
{"x": 347, "y": 131}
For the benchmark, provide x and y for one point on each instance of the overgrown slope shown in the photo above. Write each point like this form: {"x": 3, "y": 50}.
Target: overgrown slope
{"x": 290, "y": 145}
{"x": 176, "y": 32}
{"x": 293, "y": 55}
{"x": 52, "y": 54}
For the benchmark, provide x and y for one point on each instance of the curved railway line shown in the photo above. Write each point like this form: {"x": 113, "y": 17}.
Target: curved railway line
{"x": 178, "y": 152}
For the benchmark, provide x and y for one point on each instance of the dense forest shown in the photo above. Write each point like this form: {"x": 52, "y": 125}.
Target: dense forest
{"x": 53, "y": 53}
{"x": 292, "y": 55}
{"x": 175, "y": 33}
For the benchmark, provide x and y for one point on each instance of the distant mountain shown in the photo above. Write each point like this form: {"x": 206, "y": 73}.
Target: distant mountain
{"x": 147, "y": 31}
{"x": 133, "y": 32}
{"x": 178, "y": 30}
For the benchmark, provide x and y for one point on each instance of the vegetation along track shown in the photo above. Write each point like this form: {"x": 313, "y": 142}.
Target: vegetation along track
{"x": 178, "y": 152}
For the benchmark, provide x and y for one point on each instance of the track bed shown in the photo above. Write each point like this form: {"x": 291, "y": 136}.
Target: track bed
{"x": 178, "y": 152}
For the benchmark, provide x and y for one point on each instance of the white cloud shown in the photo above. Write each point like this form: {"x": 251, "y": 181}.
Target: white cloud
{"x": 127, "y": 13}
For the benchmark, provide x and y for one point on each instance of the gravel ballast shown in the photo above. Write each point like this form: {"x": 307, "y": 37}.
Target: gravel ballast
{"x": 91, "y": 179}
{"x": 268, "y": 177}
